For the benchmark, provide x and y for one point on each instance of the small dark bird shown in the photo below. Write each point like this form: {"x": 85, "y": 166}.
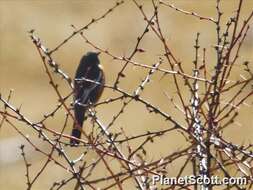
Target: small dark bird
{"x": 85, "y": 92}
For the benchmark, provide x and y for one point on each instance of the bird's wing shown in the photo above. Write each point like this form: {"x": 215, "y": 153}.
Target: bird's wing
{"x": 87, "y": 91}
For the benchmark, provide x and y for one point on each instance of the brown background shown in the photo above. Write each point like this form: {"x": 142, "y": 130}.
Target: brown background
{"x": 21, "y": 69}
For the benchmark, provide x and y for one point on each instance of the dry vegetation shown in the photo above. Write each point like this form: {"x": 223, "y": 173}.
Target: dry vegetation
{"x": 163, "y": 112}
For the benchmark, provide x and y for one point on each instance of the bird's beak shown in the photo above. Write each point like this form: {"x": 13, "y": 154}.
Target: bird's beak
{"x": 98, "y": 53}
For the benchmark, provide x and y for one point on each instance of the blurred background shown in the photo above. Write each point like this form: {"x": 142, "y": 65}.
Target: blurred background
{"x": 21, "y": 69}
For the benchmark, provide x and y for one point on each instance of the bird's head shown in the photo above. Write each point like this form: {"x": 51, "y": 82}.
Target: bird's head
{"x": 92, "y": 58}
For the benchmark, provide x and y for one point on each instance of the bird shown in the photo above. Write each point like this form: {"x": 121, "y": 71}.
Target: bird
{"x": 86, "y": 92}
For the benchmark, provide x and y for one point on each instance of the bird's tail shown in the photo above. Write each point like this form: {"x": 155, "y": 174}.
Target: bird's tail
{"x": 75, "y": 133}
{"x": 78, "y": 123}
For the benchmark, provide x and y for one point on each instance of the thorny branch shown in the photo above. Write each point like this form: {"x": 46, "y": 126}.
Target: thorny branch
{"x": 211, "y": 106}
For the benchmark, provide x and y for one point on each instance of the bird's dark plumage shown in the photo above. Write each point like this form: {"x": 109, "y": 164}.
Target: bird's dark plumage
{"x": 86, "y": 92}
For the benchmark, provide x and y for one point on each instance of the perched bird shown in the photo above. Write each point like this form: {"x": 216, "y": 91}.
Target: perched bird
{"x": 86, "y": 92}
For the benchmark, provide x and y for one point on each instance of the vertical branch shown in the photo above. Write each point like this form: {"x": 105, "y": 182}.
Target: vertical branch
{"x": 27, "y": 166}
{"x": 198, "y": 128}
